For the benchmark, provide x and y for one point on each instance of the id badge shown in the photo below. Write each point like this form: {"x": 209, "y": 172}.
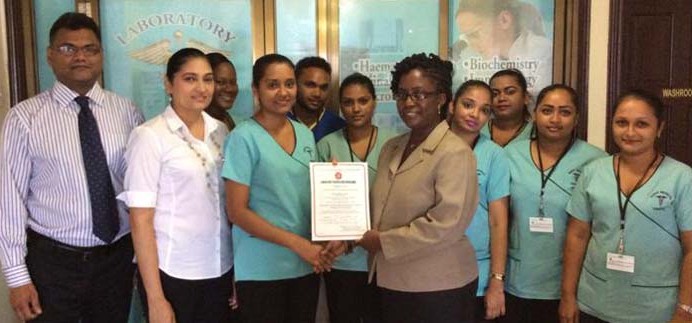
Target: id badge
{"x": 541, "y": 224}
{"x": 618, "y": 262}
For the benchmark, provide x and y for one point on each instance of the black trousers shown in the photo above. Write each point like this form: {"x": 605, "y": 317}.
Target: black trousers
{"x": 447, "y": 306}
{"x": 81, "y": 284}
{"x": 194, "y": 301}
{"x": 277, "y": 301}
{"x": 520, "y": 310}
{"x": 350, "y": 298}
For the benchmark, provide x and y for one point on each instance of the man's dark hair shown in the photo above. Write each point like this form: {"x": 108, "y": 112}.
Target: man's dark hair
{"x": 74, "y": 21}
{"x": 313, "y": 61}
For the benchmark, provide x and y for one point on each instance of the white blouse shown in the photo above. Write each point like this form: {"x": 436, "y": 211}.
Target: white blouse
{"x": 179, "y": 176}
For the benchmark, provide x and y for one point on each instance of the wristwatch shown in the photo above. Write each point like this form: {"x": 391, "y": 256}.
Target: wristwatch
{"x": 685, "y": 307}
{"x": 498, "y": 276}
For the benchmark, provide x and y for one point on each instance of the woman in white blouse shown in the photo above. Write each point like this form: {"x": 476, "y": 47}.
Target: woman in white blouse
{"x": 180, "y": 231}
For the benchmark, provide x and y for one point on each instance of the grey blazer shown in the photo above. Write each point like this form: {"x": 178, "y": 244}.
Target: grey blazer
{"x": 422, "y": 209}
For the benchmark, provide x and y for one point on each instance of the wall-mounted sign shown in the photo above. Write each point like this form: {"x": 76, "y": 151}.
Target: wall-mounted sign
{"x": 674, "y": 93}
{"x": 140, "y": 36}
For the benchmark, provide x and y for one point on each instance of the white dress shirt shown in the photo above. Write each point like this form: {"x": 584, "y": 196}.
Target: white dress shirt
{"x": 166, "y": 172}
{"x": 43, "y": 183}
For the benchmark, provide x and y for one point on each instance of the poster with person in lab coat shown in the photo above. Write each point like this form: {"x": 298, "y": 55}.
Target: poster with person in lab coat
{"x": 492, "y": 35}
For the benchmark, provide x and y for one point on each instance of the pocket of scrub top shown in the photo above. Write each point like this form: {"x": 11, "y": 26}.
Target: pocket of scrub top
{"x": 651, "y": 279}
{"x": 593, "y": 273}
{"x": 514, "y": 236}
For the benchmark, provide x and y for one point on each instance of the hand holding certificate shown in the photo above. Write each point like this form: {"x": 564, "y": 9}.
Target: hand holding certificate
{"x": 340, "y": 201}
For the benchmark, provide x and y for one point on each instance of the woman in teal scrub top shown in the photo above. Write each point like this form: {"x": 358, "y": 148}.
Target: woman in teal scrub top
{"x": 468, "y": 113}
{"x": 628, "y": 255}
{"x": 543, "y": 171}
{"x": 512, "y": 120}
{"x": 348, "y": 296}
{"x": 268, "y": 200}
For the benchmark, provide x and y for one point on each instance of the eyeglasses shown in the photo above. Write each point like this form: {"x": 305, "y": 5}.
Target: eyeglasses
{"x": 416, "y": 96}
{"x": 70, "y": 50}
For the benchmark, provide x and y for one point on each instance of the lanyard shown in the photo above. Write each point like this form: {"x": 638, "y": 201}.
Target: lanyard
{"x": 367, "y": 152}
{"x": 623, "y": 207}
{"x": 516, "y": 133}
{"x": 546, "y": 178}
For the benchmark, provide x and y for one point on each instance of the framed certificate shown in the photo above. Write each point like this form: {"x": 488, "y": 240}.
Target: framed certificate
{"x": 340, "y": 201}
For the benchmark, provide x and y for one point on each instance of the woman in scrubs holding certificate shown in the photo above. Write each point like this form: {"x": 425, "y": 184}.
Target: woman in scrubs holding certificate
{"x": 268, "y": 201}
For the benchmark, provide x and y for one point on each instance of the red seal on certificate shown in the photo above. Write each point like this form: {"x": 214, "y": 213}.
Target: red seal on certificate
{"x": 337, "y": 175}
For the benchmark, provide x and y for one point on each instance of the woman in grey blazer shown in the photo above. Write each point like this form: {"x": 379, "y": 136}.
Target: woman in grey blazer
{"x": 423, "y": 199}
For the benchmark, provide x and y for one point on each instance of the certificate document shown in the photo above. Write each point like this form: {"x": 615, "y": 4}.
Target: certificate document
{"x": 340, "y": 201}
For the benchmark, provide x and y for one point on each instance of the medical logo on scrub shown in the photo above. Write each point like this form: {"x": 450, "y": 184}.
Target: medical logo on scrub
{"x": 662, "y": 200}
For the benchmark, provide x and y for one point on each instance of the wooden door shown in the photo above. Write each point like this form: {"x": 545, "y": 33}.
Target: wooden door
{"x": 651, "y": 49}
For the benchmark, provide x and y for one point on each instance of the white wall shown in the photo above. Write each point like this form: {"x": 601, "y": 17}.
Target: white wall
{"x": 598, "y": 72}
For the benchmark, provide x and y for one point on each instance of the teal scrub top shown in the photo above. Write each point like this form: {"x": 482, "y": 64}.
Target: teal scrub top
{"x": 658, "y": 211}
{"x": 493, "y": 182}
{"x": 279, "y": 192}
{"x": 523, "y": 135}
{"x": 534, "y": 264}
{"x": 335, "y": 145}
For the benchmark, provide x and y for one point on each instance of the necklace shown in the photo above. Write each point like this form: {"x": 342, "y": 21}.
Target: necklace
{"x": 412, "y": 145}
{"x": 202, "y": 158}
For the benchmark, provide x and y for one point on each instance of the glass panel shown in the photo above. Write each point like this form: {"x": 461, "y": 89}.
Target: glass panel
{"x": 4, "y": 80}
{"x": 139, "y": 36}
{"x": 296, "y": 30}
{"x": 372, "y": 42}
{"x": 490, "y": 35}
{"x": 45, "y": 14}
